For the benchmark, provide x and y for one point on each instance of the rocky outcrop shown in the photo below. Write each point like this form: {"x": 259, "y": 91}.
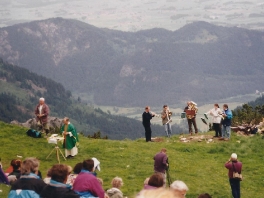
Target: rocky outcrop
{"x": 54, "y": 123}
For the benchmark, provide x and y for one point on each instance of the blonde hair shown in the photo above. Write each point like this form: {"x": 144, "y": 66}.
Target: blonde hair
{"x": 117, "y": 182}
{"x": 157, "y": 193}
{"x": 29, "y": 165}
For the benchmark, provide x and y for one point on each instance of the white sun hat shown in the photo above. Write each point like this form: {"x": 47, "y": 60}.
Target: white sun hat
{"x": 96, "y": 164}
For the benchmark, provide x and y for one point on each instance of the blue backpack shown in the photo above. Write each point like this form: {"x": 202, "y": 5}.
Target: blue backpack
{"x": 33, "y": 133}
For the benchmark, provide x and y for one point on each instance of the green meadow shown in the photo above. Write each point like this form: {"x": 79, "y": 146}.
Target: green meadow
{"x": 199, "y": 164}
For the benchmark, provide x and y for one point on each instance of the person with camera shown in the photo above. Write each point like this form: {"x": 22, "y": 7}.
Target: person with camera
{"x": 146, "y": 117}
{"x": 166, "y": 120}
{"x": 234, "y": 173}
{"x": 161, "y": 163}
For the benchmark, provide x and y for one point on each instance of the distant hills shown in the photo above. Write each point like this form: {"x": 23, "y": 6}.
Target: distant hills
{"x": 200, "y": 62}
{"x": 20, "y": 91}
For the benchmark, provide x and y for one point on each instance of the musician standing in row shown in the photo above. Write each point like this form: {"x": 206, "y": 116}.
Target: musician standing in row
{"x": 191, "y": 111}
{"x": 146, "y": 117}
{"x": 166, "y": 120}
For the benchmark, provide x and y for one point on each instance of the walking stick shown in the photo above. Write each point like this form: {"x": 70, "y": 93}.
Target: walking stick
{"x": 168, "y": 173}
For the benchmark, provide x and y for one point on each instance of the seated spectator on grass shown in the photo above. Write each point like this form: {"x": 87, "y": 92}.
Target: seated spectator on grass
{"x": 179, "y": 188}
{"x": 29, "y": 184}
{"x": 57, "y": 188}
{"x": 157, "y": 193}
{"x": 115, "y": 191}
{"x": 205, "y": 195}
{"x": 86, "y": 184}
{"x": 16, "y": 164}
{"x": 15, "y": 174}
{"x": 155, "y": 181}
{"x": 76, "y": 170}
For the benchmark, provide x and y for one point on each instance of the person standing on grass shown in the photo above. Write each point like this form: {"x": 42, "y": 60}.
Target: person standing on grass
{"x": 70, "y": 138}
{"x": 233, "y": 165}
{"x": 42, "y": 113}
{"x": 191, "y": 111}
{"x": 146, "y": 117}
{"x": 226, "y": 123}
{"x": 161, "y": 163}
{"x": 216, "y": 119}
{"x": 166, "y": 120}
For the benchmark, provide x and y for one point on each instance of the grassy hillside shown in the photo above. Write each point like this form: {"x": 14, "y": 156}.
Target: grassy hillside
{"x": 199, "y": 164}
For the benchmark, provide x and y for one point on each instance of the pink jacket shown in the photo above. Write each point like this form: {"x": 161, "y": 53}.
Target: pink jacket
{"x": 87, "y": 182}
{"x": 237, "y": 165}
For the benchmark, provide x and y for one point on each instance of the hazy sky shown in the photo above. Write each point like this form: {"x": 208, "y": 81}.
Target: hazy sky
{"x": 133, "y": 15}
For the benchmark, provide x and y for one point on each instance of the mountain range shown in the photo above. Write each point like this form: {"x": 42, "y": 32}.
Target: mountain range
{"x": 200, "y": 62}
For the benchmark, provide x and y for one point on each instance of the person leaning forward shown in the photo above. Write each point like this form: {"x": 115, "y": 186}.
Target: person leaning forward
{"x": 161, "y": 163}
{"x": 42, "y": 113}
{"x": 146, "y": 117}
{"x": 70, "y": 138}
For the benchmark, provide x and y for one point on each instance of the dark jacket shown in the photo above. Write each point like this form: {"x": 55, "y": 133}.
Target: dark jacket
{"x": 146, "y": 117}
{"x": 27, "y": 186}
{"x": 44, "y": 111}
{"x": 51, "y": 191}
{"x": 228, "y": 118}
{"x": 17, "y": 173}
{"x": 160, "y": 162}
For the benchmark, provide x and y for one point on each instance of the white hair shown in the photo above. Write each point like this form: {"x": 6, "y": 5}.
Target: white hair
{"x": 42, "y": 99}
{"x": 179, "y": 185}
{"x": 234, "y": 156}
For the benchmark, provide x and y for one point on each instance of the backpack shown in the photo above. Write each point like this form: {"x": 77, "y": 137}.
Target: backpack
{"x": 33, "y": 133}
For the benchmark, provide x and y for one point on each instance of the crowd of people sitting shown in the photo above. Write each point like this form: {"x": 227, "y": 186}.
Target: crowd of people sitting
{"x": 63, "y": 181}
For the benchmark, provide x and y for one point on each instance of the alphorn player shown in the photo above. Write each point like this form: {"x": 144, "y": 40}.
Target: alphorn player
{"x": 166, "y": 120}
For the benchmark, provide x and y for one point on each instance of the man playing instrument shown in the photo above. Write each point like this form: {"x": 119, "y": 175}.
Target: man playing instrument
{"x": 70, "y": 138}
{"x": 191, "y": 111}
{"x": 42, "y": 112}
{"x": 146, "y": 117}
{"x": 166, "y": 120}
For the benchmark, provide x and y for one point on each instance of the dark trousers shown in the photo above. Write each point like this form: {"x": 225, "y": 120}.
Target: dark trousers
{"x": 235, "y": 187}
{"x": 190, "y": 123}
{"x": 217, "y": 129}
{"x": 147, "y": 133}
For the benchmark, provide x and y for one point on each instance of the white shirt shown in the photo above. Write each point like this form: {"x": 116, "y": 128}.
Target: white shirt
{"x": 215, "y": 113}
{"x": 40, "y": 109}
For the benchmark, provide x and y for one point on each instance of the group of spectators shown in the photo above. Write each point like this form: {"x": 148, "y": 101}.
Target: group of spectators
{"x": 63, "y": 181}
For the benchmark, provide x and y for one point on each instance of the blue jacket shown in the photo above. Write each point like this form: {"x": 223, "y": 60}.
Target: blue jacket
{"x": 228, "y": 118}
{"x": 27, "y": 186}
